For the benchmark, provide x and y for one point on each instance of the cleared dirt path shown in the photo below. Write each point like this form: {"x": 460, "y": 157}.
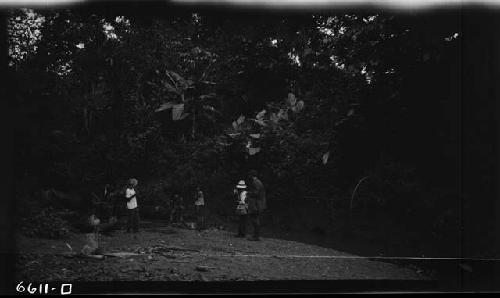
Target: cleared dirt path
{"x": 175, "y": 254}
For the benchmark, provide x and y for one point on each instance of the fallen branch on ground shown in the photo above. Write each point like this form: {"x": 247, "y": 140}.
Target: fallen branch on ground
{"x": 179, "y": 248}
{"x": 120, "y": 254}
{"x": 80, "y": 255}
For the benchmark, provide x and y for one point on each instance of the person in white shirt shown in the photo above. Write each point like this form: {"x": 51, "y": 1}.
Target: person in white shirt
{"x": 132, "y": 207}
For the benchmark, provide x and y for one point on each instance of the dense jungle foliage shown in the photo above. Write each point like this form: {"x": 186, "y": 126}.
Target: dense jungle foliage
{"x": 356, "y": 111}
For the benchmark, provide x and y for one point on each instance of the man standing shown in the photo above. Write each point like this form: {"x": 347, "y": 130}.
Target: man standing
{"x": 256, "y": 203}
{"x": 132, "y": 207}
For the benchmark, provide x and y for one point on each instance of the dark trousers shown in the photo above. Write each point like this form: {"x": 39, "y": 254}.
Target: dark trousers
{"x": 255, "y": 220}
{"x": 176, "y": 214}
{"x": 242, "y": 227}
{"x": 200, "y": 216}
{"x": 133, "y": 220}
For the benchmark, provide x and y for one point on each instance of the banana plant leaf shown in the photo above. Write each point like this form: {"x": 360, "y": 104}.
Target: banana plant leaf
{"x": 177, "y": 111}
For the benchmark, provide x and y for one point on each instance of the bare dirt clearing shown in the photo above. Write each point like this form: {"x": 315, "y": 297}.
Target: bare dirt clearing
{"x": 175, "y": 254}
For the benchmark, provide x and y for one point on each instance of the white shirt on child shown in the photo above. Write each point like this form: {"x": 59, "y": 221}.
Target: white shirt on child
{"x": 132, "y": 204}
{"x": 200, "y": 200}
{"x": 243, "y": 197}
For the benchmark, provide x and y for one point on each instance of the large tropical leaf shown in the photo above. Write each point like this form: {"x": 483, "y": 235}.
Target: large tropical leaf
{"x": 208, "y": 82}
{"x": 260, "y": 115}
{"x": 165, "y": 106}
{"x": 177, "y": 80}
{"x": 207, "y": 96}
{"x": 170, "y": 87}
{"x": 325, "y": 157}
{"x": 177, "y": 111}
{"x": 176, "y": 76}
{"x": 253, "y": 151}
{"x": 184, "y": 116}
{"x": 210, "y": 108}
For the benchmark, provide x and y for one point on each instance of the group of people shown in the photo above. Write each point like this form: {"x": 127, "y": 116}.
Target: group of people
{"x": 176, "y": 207}
{"x": 250, "y": 204}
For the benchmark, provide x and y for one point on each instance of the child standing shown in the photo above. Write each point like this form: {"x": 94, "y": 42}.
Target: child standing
{"x": 177, "y": 209}
{"x": 132, "y": 207}
{"x": 200, "y": 209}
{"x": 241, "y": 207}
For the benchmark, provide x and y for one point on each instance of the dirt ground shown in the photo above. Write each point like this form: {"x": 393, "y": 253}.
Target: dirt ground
{"x": 178, "y": 254}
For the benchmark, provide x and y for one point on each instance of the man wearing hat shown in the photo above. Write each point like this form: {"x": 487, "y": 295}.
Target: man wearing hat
{"x": 256, "y": 203}
{"x": 241, "y": 207}
{"x": 132, "y": 207}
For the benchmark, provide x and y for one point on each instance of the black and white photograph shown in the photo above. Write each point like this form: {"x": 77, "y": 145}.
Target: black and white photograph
{"x": 250, "y": 147}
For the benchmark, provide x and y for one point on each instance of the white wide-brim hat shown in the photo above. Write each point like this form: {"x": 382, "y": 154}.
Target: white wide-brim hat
{"x": 241, "y": 185}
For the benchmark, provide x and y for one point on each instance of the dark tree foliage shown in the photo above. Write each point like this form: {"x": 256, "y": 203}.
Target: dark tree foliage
{"x": 313, "y": 101}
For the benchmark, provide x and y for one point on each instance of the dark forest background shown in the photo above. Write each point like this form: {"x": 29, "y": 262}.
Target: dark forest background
{"x": 402, "y": 105}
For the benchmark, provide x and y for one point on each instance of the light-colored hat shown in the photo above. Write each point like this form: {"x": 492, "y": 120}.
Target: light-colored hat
{"x": 241, "y": 184}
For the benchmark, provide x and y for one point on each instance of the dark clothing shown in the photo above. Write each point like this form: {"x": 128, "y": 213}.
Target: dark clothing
{"x": 255, "y": 221}
{"x": 253, "y": 213}
{"x": 176, "y": 214}
{"x": 242, "y": 227}
{"x": 178, "y": 201}
{"x": 133, "y": 220}
{"x": 200, "y": 216}
{"x": 177, "y": 209}
{"x": 256, "y": 205}
{"x": 257, "y": 197}
{"x": 252, "y": 202}
{"x": 261, "y": 192}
